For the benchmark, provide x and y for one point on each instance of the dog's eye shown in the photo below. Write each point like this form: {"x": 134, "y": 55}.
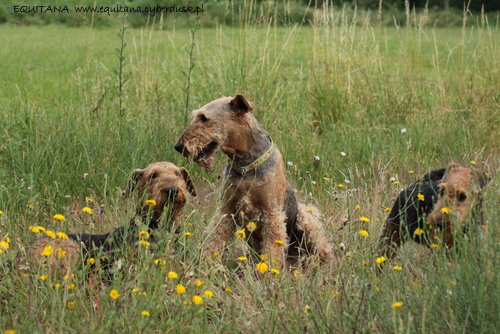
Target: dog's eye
{"x": 153, "y": 175}
{"x": 203, "y": 118}
{"x": 462, "y": 197}
{"x": 177, "y": 173}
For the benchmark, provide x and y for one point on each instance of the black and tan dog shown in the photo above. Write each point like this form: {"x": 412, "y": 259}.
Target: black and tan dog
{"x": 161, "y": 188}
{"x": 255, "y": 183}
{"x": 432, "y": 209}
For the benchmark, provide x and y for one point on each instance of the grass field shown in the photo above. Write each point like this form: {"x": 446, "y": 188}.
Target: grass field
{"x": 372, "y": 103}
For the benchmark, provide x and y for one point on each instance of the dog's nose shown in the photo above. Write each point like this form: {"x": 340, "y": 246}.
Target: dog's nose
{"x": 171, "y": 193}
{"x": 179, "y": 147}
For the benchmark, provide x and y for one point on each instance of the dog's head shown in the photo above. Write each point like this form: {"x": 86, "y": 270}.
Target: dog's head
{"x": 160, "y": 186}
{"x": 459, "y": 199}
{"x": 223, "y": 124}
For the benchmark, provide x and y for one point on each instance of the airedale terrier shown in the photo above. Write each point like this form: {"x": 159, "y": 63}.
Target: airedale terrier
{"x": 255, "y": 182}
{"x": 434, "y": 208}
{"x": 161, "y": 189}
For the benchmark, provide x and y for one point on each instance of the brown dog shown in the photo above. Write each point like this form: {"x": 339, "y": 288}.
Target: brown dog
{"x": 161, "y": 189}
{"x": 255, "y": 181}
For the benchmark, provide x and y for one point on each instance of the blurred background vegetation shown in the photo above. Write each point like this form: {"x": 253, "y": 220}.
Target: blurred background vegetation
{"x": 438, "y": 13}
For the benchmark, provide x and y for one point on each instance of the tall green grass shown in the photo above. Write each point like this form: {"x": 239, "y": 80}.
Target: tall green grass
{"x": 320, "y": 90}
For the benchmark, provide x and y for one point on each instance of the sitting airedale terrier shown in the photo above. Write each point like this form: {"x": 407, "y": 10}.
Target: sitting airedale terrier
{"x": 255, "y": 182}
{"x": 431, "y": 209}
{"x": 161, "y": 188}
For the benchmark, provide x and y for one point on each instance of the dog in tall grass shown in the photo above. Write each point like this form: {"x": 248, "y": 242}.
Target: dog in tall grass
{"x": 255, "y": 184}
{"x": 161, "y": 188}
{"x": 432, "y": 210}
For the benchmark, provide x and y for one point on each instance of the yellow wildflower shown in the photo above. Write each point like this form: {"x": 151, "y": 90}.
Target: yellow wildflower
{"x": 89, "y": 199}
{"x": 36, "y": 229}
{"x": 145, "y": 313}
{"x": 309, "y": 210}
{"x": 364, "y": 219}
{"x": 397, "y": 268}
{"x": 88, "y": 210}
{"x": 357, "y": 207}
{"x": 275, "y": 271}
{"x": 199, "y": 282}
{"x": 242, "y": 258}
{"x": 228, "y": 290}
{"x": 363, "y": 233}
{"x": 9, "y": 331}
{"x": 150, "y": 202}
{"x": 263, "y": 257}
{"x": 434, "y": 246}
{"x": 114, "y": 294}
{"x": 445, "y": 210}
{"x": 90, "y": 261}
{"x": 1, "y": 212}
{"x": 43, "y": 278}
{"x": 197, "y": 300}
{"x": 418, "y": 231}
{"x": 421, "y": 197}
{"x": 143, "y": 234}
{"x": 387, "y": 210}
{"x": 144, "y": 243}
{"x": 411, "y": 172}
{"x": 180, "y": 289}
{"x": 396, "y": 305}
{"x": 307, "y": 309}
{"x": 71, "y": 286}
{"x": 279, "y": 242}
{"x": 57, "y": 286}
{"x": 395, "y": 182}
{"x": 67, "y": 277}
{"x": 58, "y": 217}
{"x": 340, "y": 185}
{"x": 172, "y": 275}
{"x": 240, "y": 234}
{"x": 208, "y": 293}
{"x": 4, "y": 245}
{"x": 262, "y": 267}
{"x": 47, "y": 251}
{"x": 159, "y": 262}
{"x": 380, "y": 259}
{"x": 473, "y": 162}
{"x": 188, "y": 234}
{"x": 61, "y": 253}
{"x": 61, "y": 235}
{"x": 251, "y": 226}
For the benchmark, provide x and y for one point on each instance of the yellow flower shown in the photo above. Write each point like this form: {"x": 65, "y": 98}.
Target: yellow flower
{"x": 150, "y": 202}
{"x": 4, "y": 245}
{"x": 396, "y": 305}
{"x": 473, "y": 162}
{"x": 364, "y": 219}
{"x": 159, "y": 262}
{"x": 67, "y": 277}
{"x": 263, "y": 257}
{"x": 90, "y": 261}
{"x": 172, "y": 275}
{"x": 145, "y": 313}
{"x": 279, "y": 242}
{"x": 135, "y": 290}
{"x": 61, "y": 235}
{"x": 340, "y": 185}
{"x": 114, "y": 294}
{"x": 418, "y": 231}
{"x": 387, "y": 210}
{"x": 199, "y": 282}
{"x": 36, "y": 229}
{"x": 208, "y": 293}
{"x": 50, "y": 234}
{"x": 275, "y": 271}
{"x": 144, "y": 243}
{"x": 197, "y": 300}
{"x": 242, "y": 258}
{"x": 240, "y": 234}
{"x": 445, "y": 210}
{"x": 57, "y": 286}
{"x": 88, "y": 210}
{"x": 421, "y": 197}
{"x": 71, "y": 286}
{"x": 143, "y": 234}
{"x": 397, "y": 268}
{"x": 251, "y": 226}
{"x": 47, "y": 251}
{"x": 70, "y": 305}
{"x": 411, "y": 172}
{"x": 262, "y": 267}
{"x": 434, "y": 246}
{"x": 180, "y": 289}
{"x": 58, "y": 217}
{"x": 363, "y": 233}
{"x": 380, "y": 259}
{"x": 60, "y": 253}
{"x": 357, "y": 207}
{"x": 188, "y": 234}
{"x": 307, "y": 309}
{"x": 89, "y": 199}
{"x": 228, "y": 291}
{"x": 9, "y": 331}
{"x": 309, "y": 210}
{"x": 396, "y": 182}
{"x": 43, "y": 278}
{"x": 1, "y": 212}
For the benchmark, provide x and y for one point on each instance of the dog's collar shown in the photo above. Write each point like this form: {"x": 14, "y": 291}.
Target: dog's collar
{"x": 259, "y": 161}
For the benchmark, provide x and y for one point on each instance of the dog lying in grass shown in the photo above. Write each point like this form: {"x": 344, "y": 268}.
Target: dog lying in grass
{"x": 431, "y": 210}
{"x": 161, "y": 188}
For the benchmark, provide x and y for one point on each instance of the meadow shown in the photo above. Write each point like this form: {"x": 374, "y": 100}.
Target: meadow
{"x": 358, "y": 110}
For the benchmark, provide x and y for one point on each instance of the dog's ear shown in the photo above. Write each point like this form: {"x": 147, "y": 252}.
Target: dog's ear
{"x": 134, "y": 178}
{"x": 240, "y": 104}
{"x": 189, "y": 182}
{"x": 480, "y": 178}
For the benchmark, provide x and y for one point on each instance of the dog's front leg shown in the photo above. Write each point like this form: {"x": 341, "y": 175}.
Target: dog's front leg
{"x": 274, "y": 237}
